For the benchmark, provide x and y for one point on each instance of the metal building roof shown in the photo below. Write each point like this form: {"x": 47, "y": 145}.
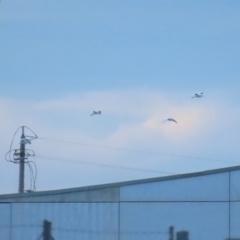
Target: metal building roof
{"x": 99, "y": 193}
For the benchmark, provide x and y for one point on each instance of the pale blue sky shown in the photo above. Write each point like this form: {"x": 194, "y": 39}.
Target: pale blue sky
{"x": 137, "y": 61}
{"x": 54, "y": 48}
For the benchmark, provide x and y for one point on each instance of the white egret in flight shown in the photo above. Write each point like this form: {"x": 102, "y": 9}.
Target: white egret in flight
{"x": 197, "y": 95}
{"x": 96, "y": 113}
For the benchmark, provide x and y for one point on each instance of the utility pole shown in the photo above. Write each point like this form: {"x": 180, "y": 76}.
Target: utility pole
{"x": 20, "y": 157}
{"x": 21, "y": 164}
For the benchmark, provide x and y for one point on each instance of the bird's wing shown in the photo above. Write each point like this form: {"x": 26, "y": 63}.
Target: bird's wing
{"x": 171, "y": 119}
{"x": 93, "y": 113}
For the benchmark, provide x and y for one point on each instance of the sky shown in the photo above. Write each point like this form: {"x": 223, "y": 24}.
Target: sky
{"x": 137, "y": 61}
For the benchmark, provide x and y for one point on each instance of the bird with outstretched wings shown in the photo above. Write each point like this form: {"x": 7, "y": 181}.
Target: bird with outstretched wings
{"x": 96, "y": 113}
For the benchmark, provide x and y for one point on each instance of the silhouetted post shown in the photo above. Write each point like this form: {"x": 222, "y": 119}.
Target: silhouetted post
{"x": 182, "y": 235}
{"x": 21, "y": 163}
{"x": 47, "y": 229}
{"x": 171, "y": 233}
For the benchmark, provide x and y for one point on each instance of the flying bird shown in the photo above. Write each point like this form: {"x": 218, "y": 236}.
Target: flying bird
{"x": 197, "y": 95}
{"x": 96, "y": 113}
{"x": 170, "y": 119}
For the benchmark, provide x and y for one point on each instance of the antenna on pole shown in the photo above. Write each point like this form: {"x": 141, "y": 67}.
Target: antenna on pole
{"x": 20, "y": 156}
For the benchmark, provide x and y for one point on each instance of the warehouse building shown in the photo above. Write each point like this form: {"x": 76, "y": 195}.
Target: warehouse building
{"x": 194, "y": 206}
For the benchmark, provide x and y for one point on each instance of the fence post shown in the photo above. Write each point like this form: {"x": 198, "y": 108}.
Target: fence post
{"x": 47, "y": 230}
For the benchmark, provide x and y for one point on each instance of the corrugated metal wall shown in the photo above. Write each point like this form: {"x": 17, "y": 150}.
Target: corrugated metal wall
{"x": 95, "y": 221}
{"x": 207, "y": 207}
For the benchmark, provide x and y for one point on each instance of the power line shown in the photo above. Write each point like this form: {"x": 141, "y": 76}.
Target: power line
{"x": 33, "y": 174}
{"x": 10, "y": 159}
{"x": 137, "y": 151}
{"x": 100, "y": 164}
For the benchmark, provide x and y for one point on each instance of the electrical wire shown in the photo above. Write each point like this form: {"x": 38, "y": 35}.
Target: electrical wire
{"x": 135, "y": 150}
{"x": 10, "y": 159}
{"x": 12, "y": 144}
{"x": 27, "y": 153}
{"x": 31, "y": 132}
{"x": 13, "y": 155}
{"x": 34, "y": 174}
{"x": 31, "y": 174}
{"x": 8, "y": 155}
{"x": 100, "y": 164}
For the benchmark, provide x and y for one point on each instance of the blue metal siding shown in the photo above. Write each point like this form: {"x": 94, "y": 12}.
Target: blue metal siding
{"x": 235, "y": 186}
{"x": 204, "y": 188}
{"x": 90, "y": 221}
{"x": 151, "y": 220}
{"x": 5, "y": 221}
{"x": 207, "y": 207}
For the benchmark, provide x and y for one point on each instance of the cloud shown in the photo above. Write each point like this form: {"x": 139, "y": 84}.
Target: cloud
{"x": 131, "y": 120}
{"x": 191, "y": 120}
